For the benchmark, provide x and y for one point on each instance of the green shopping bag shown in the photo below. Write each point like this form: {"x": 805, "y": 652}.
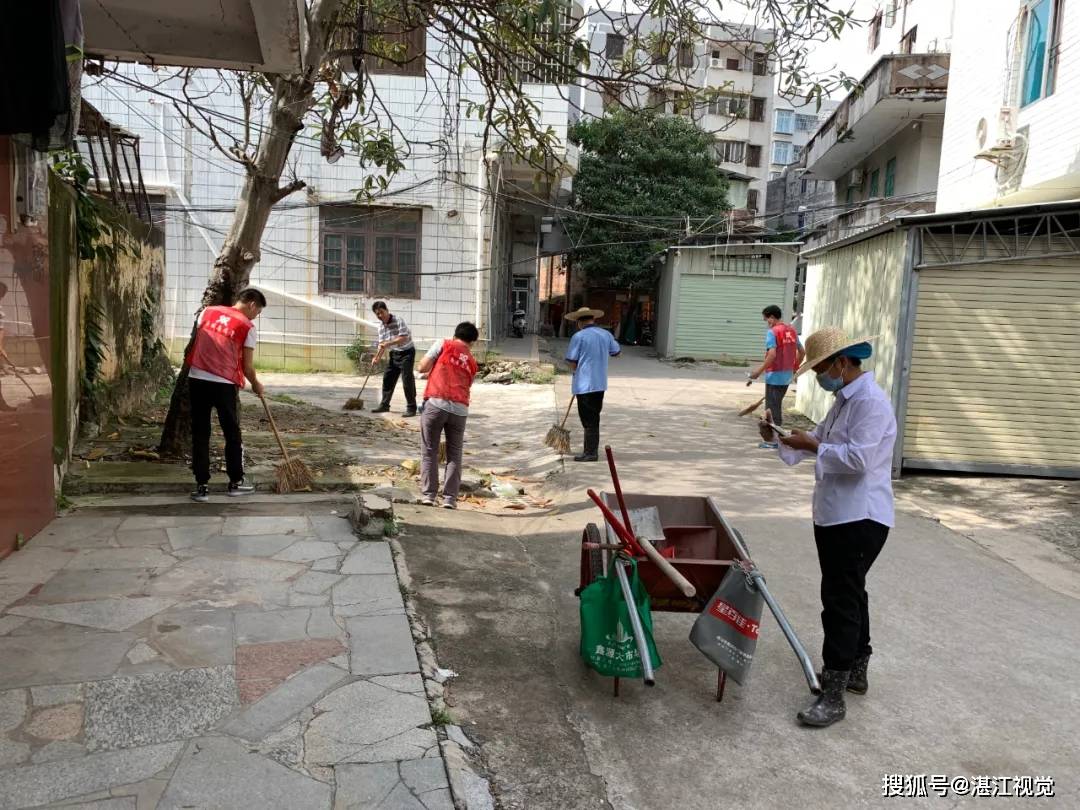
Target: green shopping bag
{"x": 607, "y": 642}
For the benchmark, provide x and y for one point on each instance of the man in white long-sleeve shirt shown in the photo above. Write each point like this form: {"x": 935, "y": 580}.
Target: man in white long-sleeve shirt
{"x": 853, "y": 507}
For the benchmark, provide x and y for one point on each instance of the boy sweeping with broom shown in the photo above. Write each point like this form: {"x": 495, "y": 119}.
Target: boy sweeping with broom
{"x": 221, "y": 357}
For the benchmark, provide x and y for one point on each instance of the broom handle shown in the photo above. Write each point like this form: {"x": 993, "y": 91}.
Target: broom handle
{"x": 273, "y": 427}
{"x": 567, "y": 416}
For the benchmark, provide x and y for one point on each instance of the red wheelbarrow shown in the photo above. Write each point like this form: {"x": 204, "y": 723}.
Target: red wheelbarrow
{"x": 683, "y": 546}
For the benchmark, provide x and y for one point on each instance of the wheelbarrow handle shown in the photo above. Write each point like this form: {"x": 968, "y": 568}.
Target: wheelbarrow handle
{"x": 759, "y": 582}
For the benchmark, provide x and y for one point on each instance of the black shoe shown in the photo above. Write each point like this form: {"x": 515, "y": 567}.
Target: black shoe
{"x": 828, "y": 707}
{"x": 241, "y": 487}
{"x": 857, "y": 683}
{"x": 587, "y": 457}
{"x": 201, "y": 494}
{"x": 381, "y": 409}
{"x": 409, "y": 412}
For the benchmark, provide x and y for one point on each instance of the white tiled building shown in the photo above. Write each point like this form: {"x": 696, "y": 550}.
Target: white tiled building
{"x": 1011, "y": 125}
{"x": 732, "y": 60}
{"x": 437, "y": 246}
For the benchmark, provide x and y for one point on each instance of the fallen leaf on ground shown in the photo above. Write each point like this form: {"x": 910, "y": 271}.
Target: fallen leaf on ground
{"x": 95, "y": 454}
{"x": 147, "y": 454}
{"x": 115, "y": 435}
{"x": 514, "y": 506}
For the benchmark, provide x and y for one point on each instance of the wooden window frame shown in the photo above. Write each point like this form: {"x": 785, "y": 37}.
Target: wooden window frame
{"x": 370, "y": 224}
{"x": 753, "y": 155}
{"x": 761, "y": 63}
{"x": 907, "y": 41}
{"x": 757, "y": 109}
{"x": 612, "y": 38}
{"x": 685, "y": 58}
{"x": 415, "y": 41}
{"x": 875, "y": 32}
{"x": 753, "y": 198}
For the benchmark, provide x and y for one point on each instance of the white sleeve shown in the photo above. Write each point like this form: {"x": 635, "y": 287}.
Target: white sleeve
{"x": 252, "y": 338}
{"x": 435, "y": 350}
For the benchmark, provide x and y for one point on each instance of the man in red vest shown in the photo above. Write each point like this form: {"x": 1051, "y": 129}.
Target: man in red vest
{"x": 221, "y": 357}
{"x": 783, "y": 354}
{"x": 446, "y": 407}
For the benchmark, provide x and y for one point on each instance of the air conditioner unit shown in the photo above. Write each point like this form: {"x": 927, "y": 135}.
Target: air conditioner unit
{"x": 855, "y": 178}
{"x": 716, "y": 60}
{"x": 1007, "y": 123}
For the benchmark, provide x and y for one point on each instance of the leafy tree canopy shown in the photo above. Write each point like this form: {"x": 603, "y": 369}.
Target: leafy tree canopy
{"x": 641, "y": 175}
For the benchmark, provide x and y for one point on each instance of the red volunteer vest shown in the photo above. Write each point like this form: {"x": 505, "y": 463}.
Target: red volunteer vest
{"x": 453, "y": 374}
{"x": 787, "y": 342}
{"x": 219, "y": 343}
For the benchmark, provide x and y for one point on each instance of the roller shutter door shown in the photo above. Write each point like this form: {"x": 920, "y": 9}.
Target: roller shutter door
{"x": 721, "y": 316}
{"x": 995, "y": 370}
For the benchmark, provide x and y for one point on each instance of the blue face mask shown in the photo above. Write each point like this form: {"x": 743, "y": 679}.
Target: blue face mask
{"x": 830, "y": 384}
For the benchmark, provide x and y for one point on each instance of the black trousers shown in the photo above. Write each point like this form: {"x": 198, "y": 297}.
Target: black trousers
{"x": 400, "y": 365}
{"x": 845, "y": 553}
{"x": 222, "y": 397}
{"x": 589, "y": 407}
{"x": 774, "y": 401}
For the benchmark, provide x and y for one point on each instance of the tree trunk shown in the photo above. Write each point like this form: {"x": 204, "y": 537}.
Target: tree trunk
{"x": 261, "y": 190}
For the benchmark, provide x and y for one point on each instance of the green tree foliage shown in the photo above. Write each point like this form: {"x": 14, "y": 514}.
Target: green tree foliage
{"x": 640, "y": 176}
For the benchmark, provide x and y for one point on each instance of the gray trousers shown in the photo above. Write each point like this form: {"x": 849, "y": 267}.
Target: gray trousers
{"x": 433, "y": 423}
{"x": 774, "y": 401}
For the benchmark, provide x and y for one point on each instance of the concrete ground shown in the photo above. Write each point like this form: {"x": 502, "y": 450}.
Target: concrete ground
{"x": 251, "y": 654}
{"x": 974, "y": 672}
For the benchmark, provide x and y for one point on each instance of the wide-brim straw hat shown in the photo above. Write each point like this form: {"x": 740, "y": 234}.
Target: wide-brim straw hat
{"x": 584, "y": 312}
{"x": 826, "y": 342}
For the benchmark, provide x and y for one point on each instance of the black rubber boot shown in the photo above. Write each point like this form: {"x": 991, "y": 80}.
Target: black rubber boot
{"x": 857, "y": 683}
{"x": 829, "y": 706}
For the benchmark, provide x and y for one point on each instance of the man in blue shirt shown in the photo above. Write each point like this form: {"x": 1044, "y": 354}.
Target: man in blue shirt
{"x": 590, "y": 348}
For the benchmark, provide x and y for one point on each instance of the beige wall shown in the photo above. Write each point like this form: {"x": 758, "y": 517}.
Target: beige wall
{"x": 858, "y": 288}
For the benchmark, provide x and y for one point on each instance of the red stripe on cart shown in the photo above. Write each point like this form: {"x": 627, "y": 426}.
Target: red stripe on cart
{"x": 728, "y": 613}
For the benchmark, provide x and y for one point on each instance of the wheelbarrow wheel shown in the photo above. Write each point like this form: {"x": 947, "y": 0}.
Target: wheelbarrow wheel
{"x": 592, "y": 559}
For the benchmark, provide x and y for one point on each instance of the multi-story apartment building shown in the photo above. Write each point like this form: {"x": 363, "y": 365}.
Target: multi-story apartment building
{"x": 455, "y": 236}
{"x": 732, "y": 61}
{"x": 794, "y": 121}
{"x": 881, "y": 146}
{"x": 793, "y": 201}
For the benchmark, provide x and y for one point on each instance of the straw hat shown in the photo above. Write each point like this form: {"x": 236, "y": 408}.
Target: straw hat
{"x": 584, "y": 312}
{"x": 826, "y": 342}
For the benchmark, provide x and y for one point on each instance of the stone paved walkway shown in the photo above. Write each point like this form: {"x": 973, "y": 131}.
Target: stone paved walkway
{"x": 199, "y": 660}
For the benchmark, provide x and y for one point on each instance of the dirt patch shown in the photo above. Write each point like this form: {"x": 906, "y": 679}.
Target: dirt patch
{"x": 324, "y": 439}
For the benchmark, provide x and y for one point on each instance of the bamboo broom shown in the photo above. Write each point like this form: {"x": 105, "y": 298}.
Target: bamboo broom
{"x": 293, "y": 474}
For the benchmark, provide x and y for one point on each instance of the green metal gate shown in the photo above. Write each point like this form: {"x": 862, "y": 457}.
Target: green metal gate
{"x": 721, "y": 316}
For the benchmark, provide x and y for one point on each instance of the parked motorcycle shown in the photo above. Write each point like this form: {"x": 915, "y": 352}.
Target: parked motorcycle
{"x": 518, "y": 323}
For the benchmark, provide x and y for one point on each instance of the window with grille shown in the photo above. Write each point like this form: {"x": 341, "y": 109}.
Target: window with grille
{"x": 752, "y": 199}
{"x": 890, "y": 177}
{"x": 757, "y": 109}
{"x": 785, "y": 122}
{"x": 657, "y": 100}
{"x": 753, "y": 155}
{"x": 369, "y": 251}
{"x": 761, "y": 64}
{"x": 805, "y": 123}
{"x": 614, "y": 45}
{"x": 875, "y": 183}
{"x": 752, "y": 264}
{"x": 730, "y": 151}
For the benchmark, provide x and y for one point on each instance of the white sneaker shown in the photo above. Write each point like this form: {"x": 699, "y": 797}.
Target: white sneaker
{"x": 427, "y": 502}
